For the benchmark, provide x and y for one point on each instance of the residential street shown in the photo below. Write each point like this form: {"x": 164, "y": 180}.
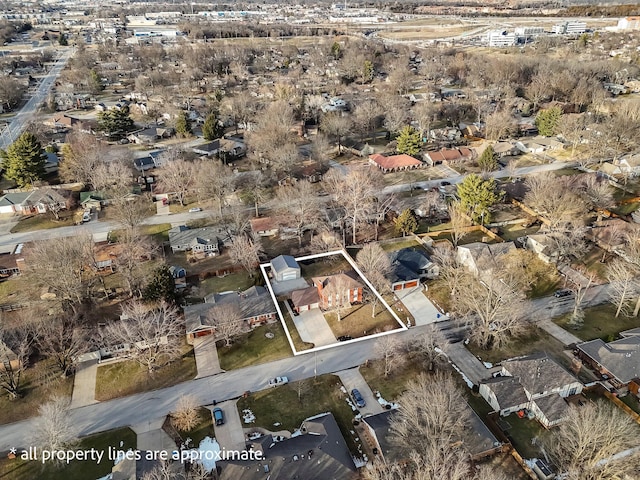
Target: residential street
{"x": 24, "y": 116}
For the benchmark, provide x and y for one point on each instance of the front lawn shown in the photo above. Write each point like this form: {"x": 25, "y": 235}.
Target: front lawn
{"x": 280, "y": 409}
{"x": 356, "y": 321}
{"x": 120, "y": 439}
{"x": 203, "y": 429}
{"x": 254, "y": 348}
{"x": 591, "y": 263}
{"x": 439, "y": 293}
{"x": 40, "y": 381}
{"x": 393, "y": 385}
{"x": 600, "y": 322}
{"x": 128, "y": 377}
{"x": 293, "y": 331}
{"x": 43, "y": 221}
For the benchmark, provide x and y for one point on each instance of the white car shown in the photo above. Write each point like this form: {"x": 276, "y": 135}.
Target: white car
{"x": 195, "y": 209}
{"x": 276, "y": 382}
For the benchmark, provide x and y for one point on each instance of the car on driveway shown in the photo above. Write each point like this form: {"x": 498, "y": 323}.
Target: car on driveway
{"x": 565, "y": 292}
{"x": 276, "y": 382}
{"x": 357, "y": 398}
{"x": 218, "y": 416}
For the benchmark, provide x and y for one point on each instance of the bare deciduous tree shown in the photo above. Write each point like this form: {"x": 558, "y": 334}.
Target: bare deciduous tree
{"x": 586, "y": 446}
{"x": 112, "y": 178}
{"x": 61, "y": 266}
{"x": 387, "y": 348}
{"x": 555, "y": 198}
{"x": 624, "y": 286}
{"x": 214, "y": 180}
{"x": 81, "y": 155}
{"x": 494, "y": 310}
{"x": 130, "y": 212}
{"x": 451, "y": 272}
{"x": 178, "y": 177}
{"x": 336, "y": 125}
{"x": 299, "y": 206}
{"x": 429, "y": 347}
{"x": 134, "y": 250}
{"x": 14, "y": 358}
{"x": 245, "y": 251}
{"x": 152, "y": 331}
{"x": 459, "y": 223}
{"x": 55, "y": 429}
{"x": 375, "y": 263}
{"x": 63, "y": 338}
{"x": 186, "y": 415}
{"x": 576, "y": 317}
{"x": 226, "y": 318}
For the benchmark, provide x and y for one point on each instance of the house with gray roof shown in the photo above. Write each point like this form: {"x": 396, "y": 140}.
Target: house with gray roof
{"x": 409, "y": 266}
{"x": 527, "y": 383}
{"x": 37, "y": 201}
{"x": 481, "y": 257}
{"x": 320, "y": 452}
{"x": 206, "y": 240}
{"x": 618, "y": 361}
{"x": 254, "y": 305}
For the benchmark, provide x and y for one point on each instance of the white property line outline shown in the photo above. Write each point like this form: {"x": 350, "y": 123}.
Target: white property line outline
{"x": 347, "y": 257}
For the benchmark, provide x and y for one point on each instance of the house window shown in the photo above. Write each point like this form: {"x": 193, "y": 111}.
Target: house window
{"x": 573, "y": 391}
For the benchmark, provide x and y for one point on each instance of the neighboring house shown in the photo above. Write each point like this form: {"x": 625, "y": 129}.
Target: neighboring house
{"x": 335, "y": 289}
{"x": 205, "y": 240}
{"x": 478, "y": 256}
{"x": 628, "y": 165}
{"x": 265, "y": 226}
{"x": 305, "y": 299}
{"x": 394, "y": 163}
{"x": 478, "y": 440}
{"x": 150, "y": 135}
{"x": 209, "y": 149}
{"x": 505, "y": 149}
{"x": 134, "y": 469}
{"x": 35, "y": 201}
{"x": 232, "y": 147}
{"x": 542, "y": 246}
{"x": 357, "y": 148}
{"x": 11, "y": 260}
{"x": 179, "y": 275}
{"x": 618, "y": 362}
{"x": 285, "y": 267}
{"x": 536, "y": 383}
{"x": 609, "y": 234}
{"x": 319, "y": 452}
{"x": 448, "y": 156}
{"x": 89, "y": 200}
{"x": 335, "y": 216}
{"x": 63, "y": 121}
{"x": 254, "y": 304}
{"x": 8, "y": 358}
{"x": 409, "y": 266}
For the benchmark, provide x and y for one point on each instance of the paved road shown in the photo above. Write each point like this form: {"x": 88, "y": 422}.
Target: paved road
{"x": 518, "y": 172}
{"x": 19, "y": 121}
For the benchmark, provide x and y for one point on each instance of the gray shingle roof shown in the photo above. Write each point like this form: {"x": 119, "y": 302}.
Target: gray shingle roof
{"x": 621, "y": 358}
{"x": 283, "y": 262}
{"x": 406, "y": 264}
{"x": 554, "y": 407}
{"x": 508, "y": 391}
{"x": 539, "y": 373}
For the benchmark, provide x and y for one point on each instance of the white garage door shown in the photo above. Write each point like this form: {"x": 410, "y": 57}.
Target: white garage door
{"x": 288, "y": 276}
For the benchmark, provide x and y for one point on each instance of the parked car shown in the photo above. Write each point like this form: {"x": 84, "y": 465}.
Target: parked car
{"x": 357, "y": 398}
{"x": 276, "y": 382}
{"x": 344, "y": 338}
{"x": 565, "y": 292}
{"x": 195, "y": 209}
{"x": 218, "y": 416}
{"x": 445, "y": 184}
{"x": 86, "y": 217}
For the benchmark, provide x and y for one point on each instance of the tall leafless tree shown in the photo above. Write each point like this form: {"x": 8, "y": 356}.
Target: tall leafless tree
{"x": 245, "y": 251}
{"x": 55, "y": 429}
{"x": 178, "y": 177}
{"x": 15, "y": 358}
{"x": 387, "y": 348}
{"x": 624, "y": 286}
{"x": 63, "y": 338}
{"x": 226, "y": 319}
{"x": 299, "y": 206}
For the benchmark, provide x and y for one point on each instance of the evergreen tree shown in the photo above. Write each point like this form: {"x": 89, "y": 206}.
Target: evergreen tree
{"x": 408, "y": 141}
{"x": 477, "y": 196}
{"x": 161, "y": 287}
{"x": 336, "y": 50}
{"x": 548, "y": 121}
{"x": 211, "y": 129}
{"x": 115, "y": 122}
{"x": 95, "y": 83}
{"x": 406, "y": 222}
{"x": 62, "y": 40}
{"x": 487, "y": 161}
{"x": 367, "y": 71}
{"x": 24, "y": 160}
{"x": 183, "y": 125}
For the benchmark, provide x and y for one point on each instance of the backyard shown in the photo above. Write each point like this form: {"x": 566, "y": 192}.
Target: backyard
{"x": 522, "y": 432}
{"x": 599, "y": 322}
{"x": 120, "y": 439}
{"x": 255, "y": 347}
{"x": 232, "y": 282}
{"x": 281, "y": 409}
{"x": 128, "y": 377}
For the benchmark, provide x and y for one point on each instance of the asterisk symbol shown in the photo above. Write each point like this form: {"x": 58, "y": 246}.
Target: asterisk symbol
{"x": 13, "y": 451}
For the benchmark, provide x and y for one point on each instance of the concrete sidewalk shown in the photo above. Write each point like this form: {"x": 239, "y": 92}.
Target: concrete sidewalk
{"x": 565, "y": 337}
{"x": 84, "y": 384}
{"x": 206, "y": 353}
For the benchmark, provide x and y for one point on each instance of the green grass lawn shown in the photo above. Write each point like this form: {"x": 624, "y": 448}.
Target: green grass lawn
{"x": 281, "y": 405}
{"x": 254, "y": 348}
{"x": 626, "y": 209}
{"x": 439, "y": 293}
{"x": 537, "y": 340}
{"x": 356, "y": 321}
{"x": 591, "y": 262}
{"x": 40, "y": 381}
{"x": 160, "y": 231}
{"x": 393, "y": 385}
{"x": 406, "y": 242}
{"x": 129, "y": 377}
{"x": 521, "y": 433}
{"x": 632, "y": 402}
{"x": 511, "y": 232}
{"x": 86, "y": 470}
{"x": 43, "y": 221}
{"x": 600, "y": 322}
{"x": 12, "y": 290}
{"x": 232, "y": 282}
{"x": 324, "y": 266}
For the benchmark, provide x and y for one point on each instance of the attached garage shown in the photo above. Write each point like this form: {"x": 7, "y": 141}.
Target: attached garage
{"x": 305, "y": 299}
{"x": 407, "y": 284}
